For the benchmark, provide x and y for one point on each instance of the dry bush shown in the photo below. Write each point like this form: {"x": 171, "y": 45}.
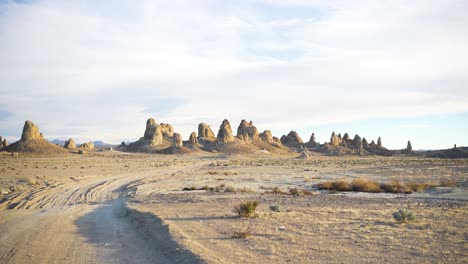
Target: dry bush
{"x": 246, "y": 209}
{"x": 230, "y": 189}
{"x": 417, "y": 186}
{"x": 325, "y": 185}
{"x": 245, "y": 190}
{"x": 342, "y": 185}
{"x": 395, "y": 186}
{"x": 242, "y": 233}
{"x": 448, "y": 183}
{"x": 277, "y": 190}
{"x": 294, "y": 191}
{"x": 365, "y": 185}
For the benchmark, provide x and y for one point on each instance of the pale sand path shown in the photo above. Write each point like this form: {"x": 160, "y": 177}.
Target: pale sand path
{"x": 87, "y": 222}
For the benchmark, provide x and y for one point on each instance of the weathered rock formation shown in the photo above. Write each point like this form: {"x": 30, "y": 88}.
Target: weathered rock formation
{"x": 247, "y": 132}
{"x": 335, "y": 140}
{"x": 177, "y": 141}
{"x": 3, "y": 142}
{"x": 346, "y": 137}
{"x": 379, "y": 142}
{"x": 167, "y": 130}
{"x": 205, "y": 132}
{"x": 292, "y": 138}
{"x": 87, "y": 146}
{"x": 32, "y": 141}
{"x": 365, "y": 144}
{"x": 193, "y": 140}
{"x": 267, "y": 137}
{"x": 357, "y": 142}
{"x": 153, "y": 133}
{"x": 31, "y": 131}
{"x": 70, "y": 144}
{"x": 225, "y": 133}
{"x": 156, "y": 137}
{"x": 409, "y": 148}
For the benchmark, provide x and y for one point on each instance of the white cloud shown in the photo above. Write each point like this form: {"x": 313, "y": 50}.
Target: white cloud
{"x": 110, "y": 64}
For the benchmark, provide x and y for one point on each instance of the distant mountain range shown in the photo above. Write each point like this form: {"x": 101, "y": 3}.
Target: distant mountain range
{"x": 97, "y": 143}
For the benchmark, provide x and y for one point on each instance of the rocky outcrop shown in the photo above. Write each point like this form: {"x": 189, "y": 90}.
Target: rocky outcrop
{"x": 247, "y": 132}
{"x": 205, "y": 132}
{"x": 153, "y": 133}
{"x": 346, "y": 137}
{"x": 292, "y": 138}
{"x": 156, "y": 137}
{"x": 357, "y": 142}
{"x": 177, "y": 140}
{"x": 167, "y": 130}
{"x": 87, "y": 146}
{"x": 312, "y": 142}
{"x": 193, "y": 140}
{"x": 379, "y": 142}
{"x": 3, "y": 142}
{"x": 268, "y": 138}
{"x": 365, "y": 144}
{"x": 30, "y": 131}
{"x": 409, "y": 147}
{"x": 225, "y": 133}
{"x": 335, "y": 140}
{"x": 32, "y": 141}
{"x": 70, "y": 144}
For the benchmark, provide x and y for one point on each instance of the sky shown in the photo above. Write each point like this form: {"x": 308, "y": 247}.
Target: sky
{"x": 97, "y": 70}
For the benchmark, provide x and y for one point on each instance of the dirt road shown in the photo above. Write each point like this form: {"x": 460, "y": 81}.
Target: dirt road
{"x": 85, "y": 222}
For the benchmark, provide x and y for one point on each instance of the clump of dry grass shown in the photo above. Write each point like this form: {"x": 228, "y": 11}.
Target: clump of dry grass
{"x": 395, "y": 186}
{"x": 365, "y": 185}
{"x": 242, "y": 233}
{"x": 337, "y": 185}
{"x": 417, "y": 186}
{"x": 448, "y": 183}
{"x": 246, "y": 209}
{"x": 230, "y": 189}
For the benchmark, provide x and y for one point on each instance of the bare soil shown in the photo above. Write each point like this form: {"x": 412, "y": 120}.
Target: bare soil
{"x": 114, "y": 207}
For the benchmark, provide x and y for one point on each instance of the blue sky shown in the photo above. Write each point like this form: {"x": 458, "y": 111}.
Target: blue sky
{"x": 96, "y": 70}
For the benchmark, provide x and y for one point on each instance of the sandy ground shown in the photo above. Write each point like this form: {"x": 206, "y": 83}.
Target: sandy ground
{"x": 131, "y": 208}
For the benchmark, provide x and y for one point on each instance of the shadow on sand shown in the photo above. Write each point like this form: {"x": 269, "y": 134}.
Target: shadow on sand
{"x": 122, "y": 235}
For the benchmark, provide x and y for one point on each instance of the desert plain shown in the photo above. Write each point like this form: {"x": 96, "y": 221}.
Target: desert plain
{"x": 118, "y": 207}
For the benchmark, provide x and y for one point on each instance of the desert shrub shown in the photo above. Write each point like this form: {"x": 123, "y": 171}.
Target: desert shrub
{"x": 365, "y": 185}
{"x": 245, "y": 190}
{"x": 325, "y": 185}
{"x": 294, "y": 191}
{"x": 246, "y": 209}
{"x": 448, "y": 183}
{"x": 242, "y": 233}
{"x": 275, "y": 207}
{"x": 417, "y": 186}
{"x": 230, "y": 189}
{"x": 395, "y": 186}
{"x": 404, "y": 215}
{"x": 277, "y": 190}
{"x": 342, "y": 185}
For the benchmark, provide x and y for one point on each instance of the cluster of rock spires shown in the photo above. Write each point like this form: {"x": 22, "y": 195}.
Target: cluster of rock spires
{"x": 161, "y": 138}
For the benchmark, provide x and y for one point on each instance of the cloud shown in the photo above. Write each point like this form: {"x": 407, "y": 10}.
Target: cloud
{"x": 283, "y": 64}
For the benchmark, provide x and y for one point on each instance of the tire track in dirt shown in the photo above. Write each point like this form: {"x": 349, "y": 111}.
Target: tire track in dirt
{"x": 87, "y": 222}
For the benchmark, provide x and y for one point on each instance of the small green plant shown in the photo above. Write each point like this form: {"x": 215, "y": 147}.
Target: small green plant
{"x": 275, "y": 207}
{"x": 404, "y": 215}
{"x": 246, "y": 209}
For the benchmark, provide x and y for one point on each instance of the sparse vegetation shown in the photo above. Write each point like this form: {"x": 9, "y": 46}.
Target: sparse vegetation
{"x": 365, "y": 185}
{"x": 246, "y": 209}
{"x": 404, "y": 215}
{"x": 242, "y": 233}
{"x": 275, "y": 207}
